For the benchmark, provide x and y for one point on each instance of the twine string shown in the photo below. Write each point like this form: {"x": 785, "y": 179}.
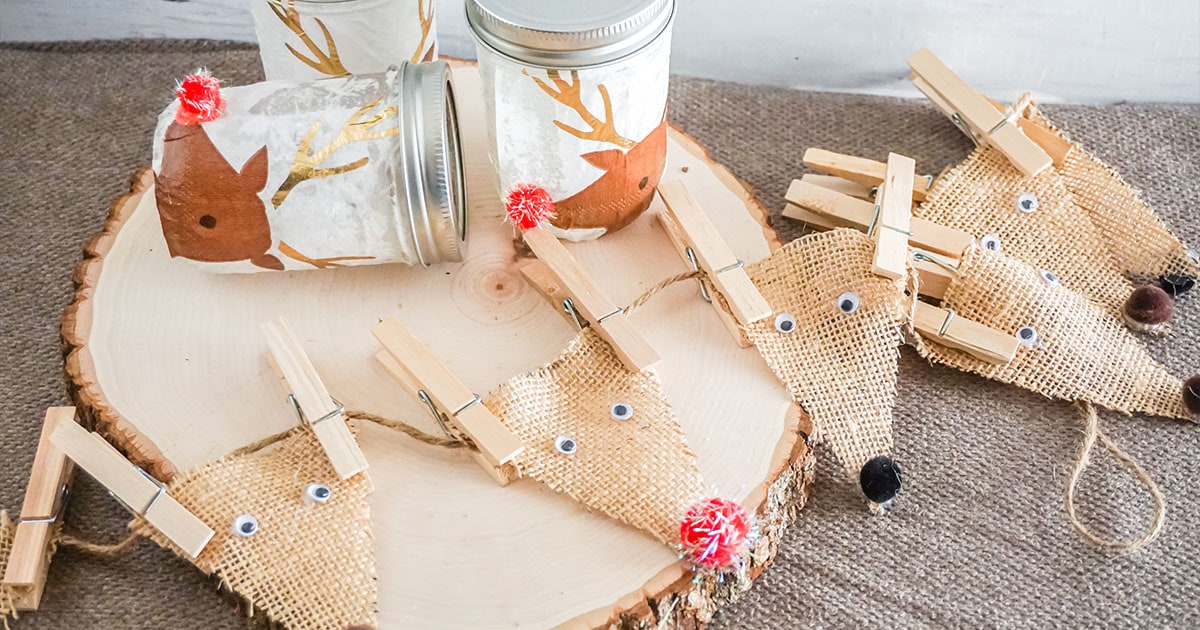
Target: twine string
{"x": 1091, "y": 435}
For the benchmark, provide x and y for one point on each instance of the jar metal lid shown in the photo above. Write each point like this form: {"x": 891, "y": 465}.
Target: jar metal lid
{"x": 430, "y": 166}
{"x": 568, "y": 33}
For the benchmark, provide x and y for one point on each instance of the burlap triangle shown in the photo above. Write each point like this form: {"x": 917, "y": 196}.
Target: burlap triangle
{"x": 639, "y": 471}
{"x": 840, "y": 367}
{"x": 1082, "y": 353}
{"x": 980, "y": 196}
{"x": 1140, "y": 243}
{"x": 310, "y": 565}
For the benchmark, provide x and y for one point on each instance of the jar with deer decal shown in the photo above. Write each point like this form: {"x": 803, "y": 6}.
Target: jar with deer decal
{"x": 576, "y": 98}
{"x": 302, "y": 40}
{"x": 284, "y": 175}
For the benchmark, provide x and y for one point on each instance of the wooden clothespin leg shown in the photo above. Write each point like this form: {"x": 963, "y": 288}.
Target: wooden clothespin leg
{"x": 312, "y": 401}
{"x": 975, "y": 114}
{"x": 416, "y": 368}
{"x": 859, "y": 170}
{"x": 42, "y": 511}
{"x": 893, "y": 224}
{"x": 697, "y": 239}
{"x": 590, "y": 303}
{"x": 142, "y": 494}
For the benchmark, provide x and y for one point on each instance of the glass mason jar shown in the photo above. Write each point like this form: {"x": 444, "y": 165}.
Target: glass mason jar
{"x": 302, "y": 40}
{"x": 355, "y": 170}
{"x": 576, "y": 96}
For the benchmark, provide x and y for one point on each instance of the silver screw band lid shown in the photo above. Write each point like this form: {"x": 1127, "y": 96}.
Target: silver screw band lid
{"x": 431, "y": 168}
{"x": 568, "y": 33}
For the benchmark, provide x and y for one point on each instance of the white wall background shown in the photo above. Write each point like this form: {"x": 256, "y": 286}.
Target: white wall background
{"x": 1073, "y": 50}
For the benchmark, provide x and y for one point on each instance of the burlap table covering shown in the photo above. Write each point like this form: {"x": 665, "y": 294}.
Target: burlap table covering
{"x": 979, "y": 537}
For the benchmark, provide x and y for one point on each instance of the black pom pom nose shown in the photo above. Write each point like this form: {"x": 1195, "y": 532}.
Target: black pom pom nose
{"x": 880, "y": 479}
{"x": 1176, "y": 284}
{"x": 1191, "y": 395}
{"x": 1148, "y": 308}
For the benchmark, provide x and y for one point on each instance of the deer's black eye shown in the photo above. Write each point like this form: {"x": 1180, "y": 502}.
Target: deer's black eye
{"x": 642, "y": 184}
{"x": 208, "y": 221}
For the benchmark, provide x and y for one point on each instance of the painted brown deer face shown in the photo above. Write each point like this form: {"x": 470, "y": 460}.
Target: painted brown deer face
{"x": 625, "y": 189}
{"x": 209, "y": 211}
{"x": 631, "y": 172}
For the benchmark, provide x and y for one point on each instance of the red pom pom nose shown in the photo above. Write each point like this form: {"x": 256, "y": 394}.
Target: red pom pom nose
{"x": 715, "y": 532}
{"x": 200, "y": 99}
{"x": 527, "y": 205}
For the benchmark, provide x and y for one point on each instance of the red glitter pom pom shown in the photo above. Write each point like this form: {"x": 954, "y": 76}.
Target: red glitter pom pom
{"x": 200, "y": 99}
{"x": 527, "y": 205}
{"x": 714, "y": 532}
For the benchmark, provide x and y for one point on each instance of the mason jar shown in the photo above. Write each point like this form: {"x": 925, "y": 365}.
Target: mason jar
{"x": 576, "y": 97}
{"x": 357, "y": 170}
{"x": 302, "y": 40}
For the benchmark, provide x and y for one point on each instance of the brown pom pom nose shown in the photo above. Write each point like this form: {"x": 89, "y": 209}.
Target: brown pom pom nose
{"x": 1191, "y": 395}
{"x": 1148, "y": 308}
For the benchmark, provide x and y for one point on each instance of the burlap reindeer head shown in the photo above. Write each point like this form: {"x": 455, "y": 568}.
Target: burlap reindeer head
{"x": 606, "y": 437}
{"x": 1073, "y": 350}
{"x": 291, "y": 538}
{"x": 834, "y": 343}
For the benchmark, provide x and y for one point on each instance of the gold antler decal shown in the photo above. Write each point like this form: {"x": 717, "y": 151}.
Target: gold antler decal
{"x": 319, "y": 263}
{"x": 322, "y": 62}
{"x": 307, "y": 165}
{"x": 568, "y": 94}
{"x": 420, "y": 54}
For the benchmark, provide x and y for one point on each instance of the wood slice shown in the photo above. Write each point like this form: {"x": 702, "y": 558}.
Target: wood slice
{"x": 171, "y": 363}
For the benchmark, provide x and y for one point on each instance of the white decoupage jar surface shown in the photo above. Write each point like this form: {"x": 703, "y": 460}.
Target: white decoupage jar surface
{"x": 310, "y": 175}
{"x": 314, "y": 39}
{"x": 582, "y": 113}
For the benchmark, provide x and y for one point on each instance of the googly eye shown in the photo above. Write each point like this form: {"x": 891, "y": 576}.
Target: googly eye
{"x": 1048, "y": 276}
{"x": 990, "y": 242}
{"x": 245, "y": 525}
{"x": 785, "y": 323}
{"x": 1027, "y": 202}
{"x": 565, "y": 444}
{"x": 622, "y": 411}
{"x": 316, "y": 493}
{"x": 1028, "y": 337}
{"x": 848, "y": 302}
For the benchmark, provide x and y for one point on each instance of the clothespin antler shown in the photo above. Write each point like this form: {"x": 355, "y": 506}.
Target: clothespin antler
{"x": 420, "y": 372}
{"x": 973, "y": 113}
{"x": 826, "y": 208}
{"x": 586, "y": 302}
{"x": 41, "y": 512}
{"x": 697, "y": 239}
{"x": 311, "y": 400}
{"x": 133, "y": 487}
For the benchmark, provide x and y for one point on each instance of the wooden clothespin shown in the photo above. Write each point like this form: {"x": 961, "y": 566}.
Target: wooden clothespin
{"x": 981, "y": 342}
{"x": 698, "y": 241}
{"x": 823, "y": 207}
{"x": 448, "y": 399}
{"x": 140, "y": 493}
{"x": 587, "y": 302}
{"x": 42, "y": 511}
{"x": 841, "y": 186}
{"x": 1056, "y": 146}
{"x": 972, "y": 112}
{"x": 860, "y": 170}
{"x": 311, "y": 400}
{"x": 892, "y": 224}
